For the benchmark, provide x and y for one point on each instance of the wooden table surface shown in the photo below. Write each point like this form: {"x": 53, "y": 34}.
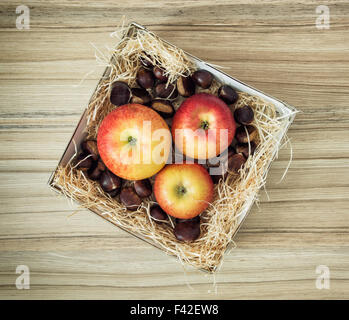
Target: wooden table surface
{"x": 272, "y": 45}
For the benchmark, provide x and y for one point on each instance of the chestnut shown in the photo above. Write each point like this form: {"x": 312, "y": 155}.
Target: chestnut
{"x": 222, "y": 158}
{"x": 95, "y": 172}
{"x": 224, "y": 173}
{"x": 143, "y": 188}
{"x": 187, "y": 231}
{"x": 140, "y": 95}
{"x": 145, "y": 78}
{"x": 110, "y": 182}
{"x": 211, "y": 164}
{"x": 195, "y": 219}
{"x": 203, "y": 78}
{"x": 242, "y": 136}
{"x": 159, "y": 74}
{"x": 120, "y": 93}
{"x": 227, "y": 94}
{"x": 146, "y": 61}
{"x": 244, "y": 115}
{"x": 90, "y": 147}
{"x": 236, "y": 162}
{"x": 130, "y": 199}
{"x": 163, "y": 107}
{"x": 84, "y": 161}
{"x": 164, "y": 90}
{"x": 185, "y": 86}
{"x": 245, "y": 149}
{"x": 114, "y": 193}
{"x": 216, "y": 177}
{"x": 158, "y": 214}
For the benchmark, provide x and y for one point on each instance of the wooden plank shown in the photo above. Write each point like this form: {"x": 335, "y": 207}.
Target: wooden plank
{"x": 270, "y": 14}
{"x": 280, "y": 275}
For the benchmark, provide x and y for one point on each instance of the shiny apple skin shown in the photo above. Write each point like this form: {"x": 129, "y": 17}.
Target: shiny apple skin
{"x": 111, "y": 140}
{"x": 190, "y": 115}
{"x": 198, "y": 186}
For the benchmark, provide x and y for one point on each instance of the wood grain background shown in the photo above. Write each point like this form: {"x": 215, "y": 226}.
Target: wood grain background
{"x": 272, "y": 45}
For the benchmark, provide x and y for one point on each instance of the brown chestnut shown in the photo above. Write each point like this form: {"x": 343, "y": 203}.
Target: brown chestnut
{"x": 164, "y": 90}
{"x": 95, "y": 172}
{"x": 84, "y": 161}
{"x": 216, "y": 177}
{"x": 110, "y": 182}
{"x": 120, "y": 93}
{"x": 244, "y": 115}
{"x": 187, "y": 231}
{"x": 90, "y": 147}
{"x": 222, "y": 157}
{"x": 203, "y": 78}
{"x": 236, "y": 162}
{"x": 159, "y": 74}
{"x": 185, "y": 86}
{"x": 224, "y": 173}
{"x": 212, "y": 164}
{"x": 130, "y": 199}
{"x": 227, "y": 94}
{"x": 143, "y": 188}
{"x": 242, "y": 136}
{"x": 114, "y": 193}
{"x": 158, "y": 214}
{"x": 146, "y": 61}
{"x": 145, "y": 78}
{"x": 141, "y": 96}
{"x": 163, "y": 107}
{"x": 245, "y": 149}
{"x": 195, "y": 219}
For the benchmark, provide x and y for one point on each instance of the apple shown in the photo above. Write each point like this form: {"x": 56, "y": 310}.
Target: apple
{"x": 203, "y": 126}
{"x": 183, "y": 190}
{"x": 134, "y": 142}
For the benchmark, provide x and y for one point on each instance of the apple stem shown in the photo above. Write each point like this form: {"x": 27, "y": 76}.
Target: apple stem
{"x": 204, "y": 125}
{"x": 131, "y": 140}
{"x": 181, "y": 190}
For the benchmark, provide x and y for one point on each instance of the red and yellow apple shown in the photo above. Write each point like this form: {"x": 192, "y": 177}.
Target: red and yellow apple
{"x": 134, "y": 142}
{"x": 183, "y": 190}
{"x": 203, "y": 126}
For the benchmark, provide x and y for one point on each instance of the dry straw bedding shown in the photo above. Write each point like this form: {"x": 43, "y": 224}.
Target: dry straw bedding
{"x": 231, "y": 197}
